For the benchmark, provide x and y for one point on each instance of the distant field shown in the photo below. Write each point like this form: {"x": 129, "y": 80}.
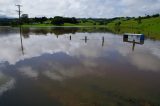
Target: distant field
{"x": 37, "y": 25}
{"x": 89, "y": 24}
{"x": 150, "y": 26}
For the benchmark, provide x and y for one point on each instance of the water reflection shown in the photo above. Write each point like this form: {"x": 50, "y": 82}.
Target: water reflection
{"x": 6, "y": 83}
{"x": 67, "y": 71}
{"x": 28, "y": 71}
{"x": 20, "y": 31}
{"x": 145, "y": 62}
{"x": 52, "y": 30}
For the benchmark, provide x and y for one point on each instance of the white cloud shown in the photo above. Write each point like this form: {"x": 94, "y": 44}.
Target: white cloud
{"x": 81, "y": 8}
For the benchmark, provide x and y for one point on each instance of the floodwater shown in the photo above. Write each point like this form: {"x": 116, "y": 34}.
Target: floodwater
{"x": 77, "y": 67}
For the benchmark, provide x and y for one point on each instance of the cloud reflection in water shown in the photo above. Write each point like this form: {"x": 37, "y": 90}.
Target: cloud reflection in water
{"x": 35, "y": 46}
{"x": 6, "y": 83}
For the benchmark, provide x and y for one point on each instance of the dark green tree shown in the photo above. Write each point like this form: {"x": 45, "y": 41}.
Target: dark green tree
{"x": 43, "y": 19}
{"x": 25, "y": 19}
{"x": 117, "y": 24}
{"x": 155, "y": 15}
{"x": 139, "y": 20}
{"x": 57, "y": 20}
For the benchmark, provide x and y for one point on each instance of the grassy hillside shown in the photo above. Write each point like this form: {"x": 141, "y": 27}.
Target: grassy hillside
{"x": 150, "y": 26}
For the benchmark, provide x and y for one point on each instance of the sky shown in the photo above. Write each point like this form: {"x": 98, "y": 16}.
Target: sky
{"x": 80, "y": 8}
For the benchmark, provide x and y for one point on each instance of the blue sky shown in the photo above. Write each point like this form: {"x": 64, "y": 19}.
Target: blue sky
{"x": 81, "y": 8}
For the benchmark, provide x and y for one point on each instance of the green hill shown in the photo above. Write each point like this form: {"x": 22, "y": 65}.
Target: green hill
{"x": 149, "y": 26}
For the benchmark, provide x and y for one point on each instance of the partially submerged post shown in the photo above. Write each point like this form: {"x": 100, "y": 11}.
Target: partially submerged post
{"x": 134, "y": 43}
{"x": 85, "y": 39}
{"x": 102, "y": 41}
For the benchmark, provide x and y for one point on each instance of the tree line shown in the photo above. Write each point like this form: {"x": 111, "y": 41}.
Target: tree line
{"x": 61, "y": 20}
{"x": 58, "y": 20}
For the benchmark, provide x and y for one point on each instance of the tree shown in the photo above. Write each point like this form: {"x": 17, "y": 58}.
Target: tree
{"x": 40, "y": 19}
{"x": 57, "y": 20}
{"x": 36, "y": 20}
{"x": 101, "y": 23}
{"x": 74, "y": 20}
{"x": 117, "y": 24}
{"x": 139, "y": 20}
{"x": 43, "y": 19}
{"x": 155, "y": 15}
{"x": 24, "y": 19}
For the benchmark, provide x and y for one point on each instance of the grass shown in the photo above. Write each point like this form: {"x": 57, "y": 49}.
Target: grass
{"x": 150, "y": 27}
